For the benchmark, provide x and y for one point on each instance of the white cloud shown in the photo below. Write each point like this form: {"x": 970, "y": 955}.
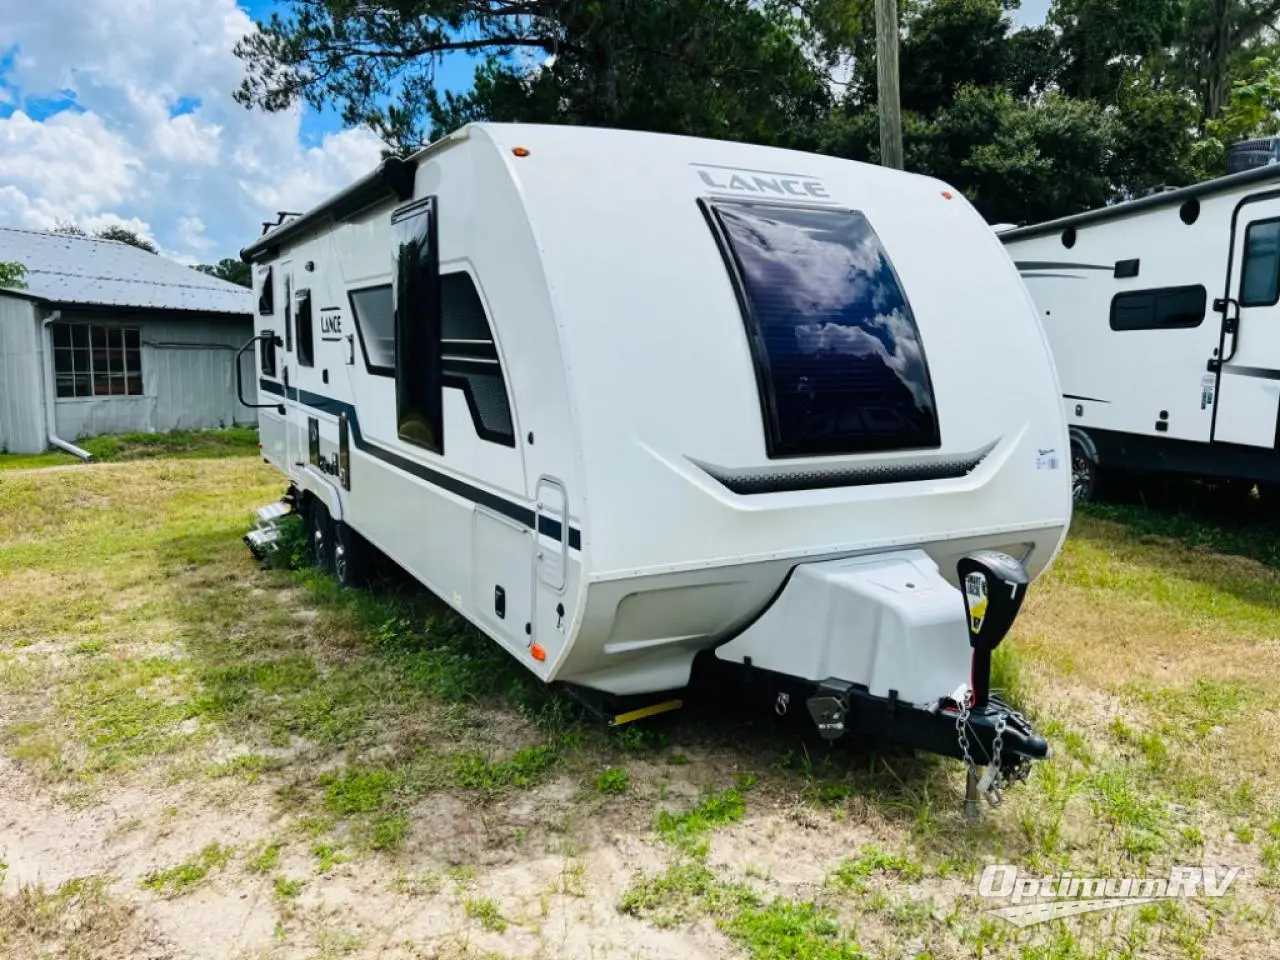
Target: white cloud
{"x": 201, "y": 182}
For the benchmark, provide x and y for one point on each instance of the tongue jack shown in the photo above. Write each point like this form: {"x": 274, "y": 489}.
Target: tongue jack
{"x": 994, "y": 585}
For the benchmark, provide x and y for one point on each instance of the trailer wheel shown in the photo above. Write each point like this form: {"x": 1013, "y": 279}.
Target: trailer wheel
{"x": 1084, "y": 474}
{"x": 350, "y": 560}
{"x": 320, "y": 535}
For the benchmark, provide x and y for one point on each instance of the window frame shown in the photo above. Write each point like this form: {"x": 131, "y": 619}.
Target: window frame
{"x": 1154, "y": 293}
{"x": 776, "y": 447}
{"x": 116, "y": 338}
{"x": 1244, "y": 266}
{"x": 483, "y": 360}
{"x": 411, "y": 389}
{"x": 306, "y": 334}
{"x": 267, "y": 293}
{"x": 267, "y": 352}
{"x": 372, "y": 368}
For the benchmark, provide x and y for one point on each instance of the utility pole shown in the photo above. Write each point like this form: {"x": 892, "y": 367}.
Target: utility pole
{"x": 887, "y": 83}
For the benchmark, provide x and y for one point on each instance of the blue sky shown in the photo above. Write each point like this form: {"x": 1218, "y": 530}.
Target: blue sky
{"x": 120, "y": 113}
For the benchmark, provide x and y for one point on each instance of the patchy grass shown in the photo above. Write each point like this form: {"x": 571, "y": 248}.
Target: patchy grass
{"x": 115, "y": 448}
{"x": 144, "y": 654}
{"x": 77, "y": 919}
{"x": 190, "y": 874}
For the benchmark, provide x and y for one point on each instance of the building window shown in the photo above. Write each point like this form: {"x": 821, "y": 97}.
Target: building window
{"x": 1260, "y": 278}
{"x": 415, "y": 266}
{"x": 375, "y": 314}
{"x": 97, "y": 360}
{"x": 470, "y": 359}
{"x": 306, "y": 335}
{"x": 840, "y": 364}
{"x": 1169, "y": 308}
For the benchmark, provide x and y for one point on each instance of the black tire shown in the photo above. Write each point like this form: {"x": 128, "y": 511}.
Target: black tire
{"x": 1084, "y": 474}
{"x": 350, "y": 557}
{"x": 320, "y": 535}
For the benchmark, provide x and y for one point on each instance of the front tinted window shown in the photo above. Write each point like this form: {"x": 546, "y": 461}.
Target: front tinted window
{"x": 839, "y": 360}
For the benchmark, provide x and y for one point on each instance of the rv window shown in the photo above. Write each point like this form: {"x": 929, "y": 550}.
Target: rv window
{"x": 91, "y": 360}
{"x": 1171, "y": 308}
{"x": 471, "y": 359}
{"x": 288, "y": 313}
{"x": 267, "y": 296}
{"x": 839, "y": 361}
{"x": 1260, "y": 279}
{"x": 419, "y": 403}
{"x": 306, "y": 334}
{"x": 267, "y": 353}
{"x": 375, "y": 315}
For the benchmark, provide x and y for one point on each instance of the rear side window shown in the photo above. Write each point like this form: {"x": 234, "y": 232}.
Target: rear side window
{"x": 471, "y": 358}
{"x": 839, "y": 361}
{"x": 266, "y": 294}
{"x": 375, "y": 313}
{"x": 306, "y": 331}
{"x": 1170, "y": 308}
{"x": 1260, "y": 279}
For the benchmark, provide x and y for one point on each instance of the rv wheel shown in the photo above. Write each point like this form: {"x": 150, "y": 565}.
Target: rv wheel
{"x": 348, "y": 556}
{"x": 1084, "y": 474}
{"x": 320, "y": 531}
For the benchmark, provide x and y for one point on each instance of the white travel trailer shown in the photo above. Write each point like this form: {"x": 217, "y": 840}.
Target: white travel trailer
{"x": 1163, "y": 319}
{"x": 630, "y": 401}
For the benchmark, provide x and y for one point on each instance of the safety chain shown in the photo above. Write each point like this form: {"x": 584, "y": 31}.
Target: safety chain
{"x": 994, "y": 781}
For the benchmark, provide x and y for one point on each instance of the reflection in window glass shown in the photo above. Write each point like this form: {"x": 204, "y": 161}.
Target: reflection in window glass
{"x": 839, "y": 358}
{"x": 375, "y": 315}
{"x": 1169, "y": 308}
{"x": 419, "y": 404}
{"x": 1260, "y": 282}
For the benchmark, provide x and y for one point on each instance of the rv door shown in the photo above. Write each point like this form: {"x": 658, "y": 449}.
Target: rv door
{"x": 295, "y": 442}
{"x": 1249, "y": 368}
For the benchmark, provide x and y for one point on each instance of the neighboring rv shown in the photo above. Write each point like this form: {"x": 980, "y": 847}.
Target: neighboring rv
{"x": 630, "y": 401}
{"x": 1163, "y": 319}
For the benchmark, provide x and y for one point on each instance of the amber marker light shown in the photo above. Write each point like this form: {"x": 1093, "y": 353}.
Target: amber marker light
{"x": 520, "y": 151}
{"x": 539, "y": 654}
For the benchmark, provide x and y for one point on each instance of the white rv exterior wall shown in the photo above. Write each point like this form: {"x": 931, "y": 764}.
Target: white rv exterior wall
{"x": 22, "y": 418}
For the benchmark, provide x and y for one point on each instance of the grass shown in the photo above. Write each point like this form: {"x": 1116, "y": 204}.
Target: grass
{"x": 142, "y": 649}
{"x": 78, "y": 918}
{"x": 115, "y": 448}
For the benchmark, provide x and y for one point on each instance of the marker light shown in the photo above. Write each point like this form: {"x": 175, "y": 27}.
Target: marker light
{"x": 947, "y": 194}
{"x": 520, "y": 151}
{"x": 539, "y": 654}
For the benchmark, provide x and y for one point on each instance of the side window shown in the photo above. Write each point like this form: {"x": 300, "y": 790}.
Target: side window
{"x": 415, "y": 267}
{"x": 1169, "y": 308}
{"x": 375, "y": 313}
{"x": 267, "y": 294}
{"x": 840, "y": 365}
{"x": 1260, "y": 274}
{"x": 306, "y": 332}
{"x": 470, "y": 358}
{"x": 267, "y": 353}
{"x": 288, "y": 312}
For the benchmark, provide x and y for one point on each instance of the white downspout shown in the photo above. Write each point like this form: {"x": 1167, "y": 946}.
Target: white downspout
{"x": 51, "y": 393}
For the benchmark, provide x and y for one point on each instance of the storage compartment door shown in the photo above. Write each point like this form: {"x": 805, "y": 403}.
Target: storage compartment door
{"x": 500, "y": 580}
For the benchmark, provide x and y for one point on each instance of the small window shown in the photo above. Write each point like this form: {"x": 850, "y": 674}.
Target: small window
{"x": 95, "y": 360}
{"x": 267, "y": 293}
{"x": 267, "y": 353}
{"x": 375, "y": 313}
{"x": 306, "y": 332}
{"x": 470, "y": 359}
{"x": 419, "y": 400}
{"x": 288, "y": 313}
{"x": 840, "y": 365}
{"x": 1260, "y": 279}
{"x": 1171, "y": 308}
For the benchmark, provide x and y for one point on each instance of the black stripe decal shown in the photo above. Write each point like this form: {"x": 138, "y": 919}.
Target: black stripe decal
{"x": 1072, "y": 396}
{"x": 1262, "y": 373}
{"x": 1059, "y": 265}
{"x": 1044, "y": 276}
{"x": 520, "y": 514}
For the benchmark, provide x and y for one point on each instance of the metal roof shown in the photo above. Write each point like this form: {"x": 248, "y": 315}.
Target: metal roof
{"x": 87, "y": 271}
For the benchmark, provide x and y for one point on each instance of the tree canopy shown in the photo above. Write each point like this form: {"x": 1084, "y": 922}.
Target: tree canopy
{"x": 1106, "y": 100}
{"x": 121, "y": 234}
{"x": 231, "y": 270}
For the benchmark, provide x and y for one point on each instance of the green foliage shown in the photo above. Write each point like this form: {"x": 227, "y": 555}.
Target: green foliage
{"x": 117, "y": 233}
{"x": 188, "y": 875}
{"x": 487, "y": 914}
{"x": 688, "y": 831}
{"x": 613, "y": 780}
{"x": 229, "y": 269}
{"x": 11, "y": 275}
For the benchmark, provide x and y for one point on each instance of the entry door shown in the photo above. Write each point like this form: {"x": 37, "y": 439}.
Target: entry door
{"x": 1249, "y": 380}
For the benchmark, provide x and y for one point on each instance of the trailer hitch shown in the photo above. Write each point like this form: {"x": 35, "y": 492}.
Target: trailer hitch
{"x": 829, "y": 707}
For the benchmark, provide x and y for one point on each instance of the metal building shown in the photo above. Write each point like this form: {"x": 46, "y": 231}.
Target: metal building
{"x": 107, "y": 338}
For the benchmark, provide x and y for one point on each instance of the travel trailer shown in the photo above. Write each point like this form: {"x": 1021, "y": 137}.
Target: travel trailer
{"x": 1162, "y": 315}
{"x": 640, "y": 406}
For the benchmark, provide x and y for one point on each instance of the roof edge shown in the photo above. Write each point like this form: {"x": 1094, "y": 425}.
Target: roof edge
{"x": 1170, "y": 198}
{"x": 394, "y": 177}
